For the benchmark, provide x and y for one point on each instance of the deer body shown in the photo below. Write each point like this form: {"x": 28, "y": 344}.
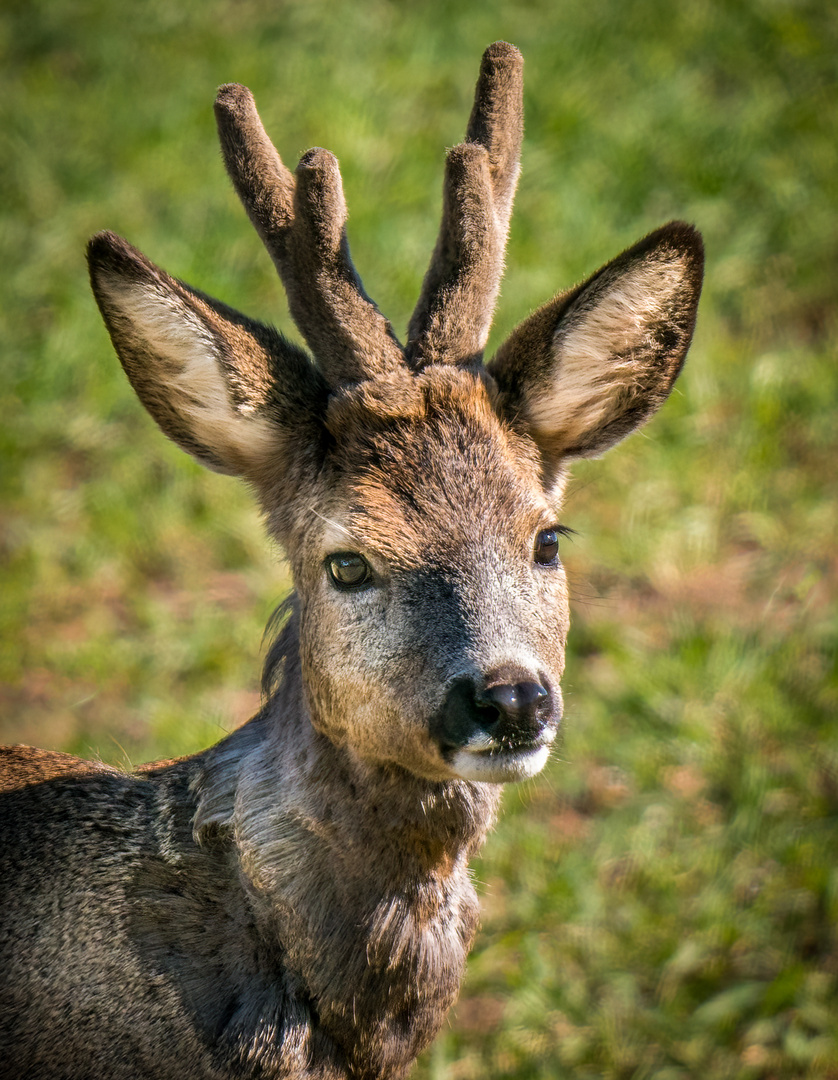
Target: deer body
{"x": 168, "y": 958}
{"x": 295, "y": 902}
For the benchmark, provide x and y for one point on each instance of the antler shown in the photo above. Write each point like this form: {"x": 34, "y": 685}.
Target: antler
{"x": 302, "y": 223}
{"x": 451, "y": 321}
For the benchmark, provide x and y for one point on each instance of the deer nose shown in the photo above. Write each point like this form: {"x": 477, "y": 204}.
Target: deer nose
{"x": 511, "y": 705}
{"x": 512, "y": 708}
{"x": 513, "y": 700}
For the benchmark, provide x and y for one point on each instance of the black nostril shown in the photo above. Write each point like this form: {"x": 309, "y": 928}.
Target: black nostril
{"x": 514, "y": 699}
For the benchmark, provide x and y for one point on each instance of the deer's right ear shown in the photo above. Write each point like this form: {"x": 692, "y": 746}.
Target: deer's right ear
{"x": 596, "y": 362}
{"x": 222, "y": 386}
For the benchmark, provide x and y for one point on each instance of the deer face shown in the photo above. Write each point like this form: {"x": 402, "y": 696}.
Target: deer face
{"x": 415, "y": 491}
{"x": 433, "y": 601}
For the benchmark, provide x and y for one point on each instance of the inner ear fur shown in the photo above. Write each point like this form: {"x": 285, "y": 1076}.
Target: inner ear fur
{"x": 595, "y": 363}
{"x": 220, "y": 385}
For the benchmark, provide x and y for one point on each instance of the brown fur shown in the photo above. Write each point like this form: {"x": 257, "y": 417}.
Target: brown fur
{"x": 295, "y": 902}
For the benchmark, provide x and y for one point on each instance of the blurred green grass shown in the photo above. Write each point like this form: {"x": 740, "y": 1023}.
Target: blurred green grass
{"x": 662, "y": 903}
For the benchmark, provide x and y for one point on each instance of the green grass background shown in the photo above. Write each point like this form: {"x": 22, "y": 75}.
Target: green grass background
{"x": 662, "y": 902}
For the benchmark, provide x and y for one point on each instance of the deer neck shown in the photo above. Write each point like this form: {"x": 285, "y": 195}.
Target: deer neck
{"x": 357, "y": 874}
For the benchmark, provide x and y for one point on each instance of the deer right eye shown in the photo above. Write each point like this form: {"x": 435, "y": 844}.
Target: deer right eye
{"x": 348, "y": 570}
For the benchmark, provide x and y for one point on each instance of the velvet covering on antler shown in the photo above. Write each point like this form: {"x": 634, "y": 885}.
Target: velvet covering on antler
{"x": 301, "y": 218}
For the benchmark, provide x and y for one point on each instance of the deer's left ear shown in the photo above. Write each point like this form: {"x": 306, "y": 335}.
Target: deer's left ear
{"x": 595, "y": 363}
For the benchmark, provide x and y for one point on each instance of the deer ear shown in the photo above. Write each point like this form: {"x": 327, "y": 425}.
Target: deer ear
{"x": 209, "y": 376}
{"x": 595, "y": 363}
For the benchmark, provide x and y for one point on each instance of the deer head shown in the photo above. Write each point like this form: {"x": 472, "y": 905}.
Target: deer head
{"x": 416, "y": 491}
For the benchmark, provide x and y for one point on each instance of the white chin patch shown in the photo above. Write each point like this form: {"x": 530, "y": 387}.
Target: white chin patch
{"x": 499, "y": 766}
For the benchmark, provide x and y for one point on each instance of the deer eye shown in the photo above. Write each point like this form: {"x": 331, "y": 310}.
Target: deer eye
{"x": 348, "y": 570}
{"x": 546, "y": 549}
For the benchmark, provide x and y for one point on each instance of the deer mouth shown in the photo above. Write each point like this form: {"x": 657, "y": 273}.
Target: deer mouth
{"x": 501, "y": 765}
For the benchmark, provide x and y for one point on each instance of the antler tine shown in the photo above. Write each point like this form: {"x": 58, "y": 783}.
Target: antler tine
{"x": 344, "y": 329}
{"x": 497, "y": 122}
{"x": 451, "y": 321}
{"x": 302, "y": 222}
{"x": 263, "y": 184}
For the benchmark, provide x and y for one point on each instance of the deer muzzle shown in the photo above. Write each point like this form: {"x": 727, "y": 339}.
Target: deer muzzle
{"x": 498, "y": 727}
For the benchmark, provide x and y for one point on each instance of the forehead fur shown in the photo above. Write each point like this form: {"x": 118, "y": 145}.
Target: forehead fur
{"x": 426, "y": 459}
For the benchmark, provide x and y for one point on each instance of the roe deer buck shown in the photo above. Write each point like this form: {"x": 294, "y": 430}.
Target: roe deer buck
{"x": 295, "y": 901}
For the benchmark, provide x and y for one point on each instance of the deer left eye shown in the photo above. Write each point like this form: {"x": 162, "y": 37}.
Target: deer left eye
{"x": 348, "y": 570}
{"x": 546, "y": 547}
